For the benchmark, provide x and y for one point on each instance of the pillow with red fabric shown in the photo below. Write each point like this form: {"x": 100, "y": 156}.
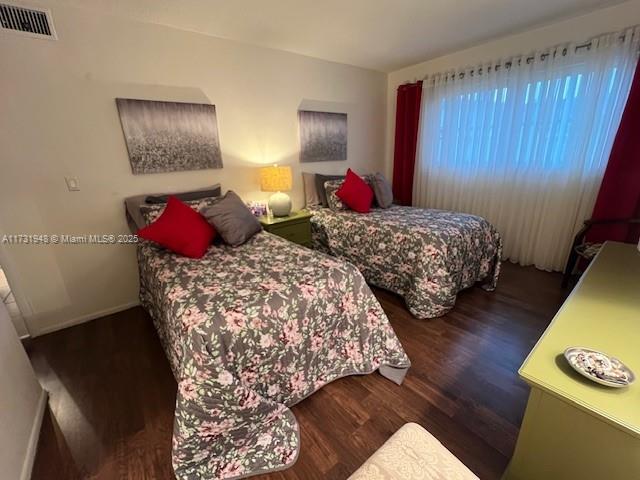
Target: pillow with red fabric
{"x": 356, "y": 193}
{"x": 180, "y": 229}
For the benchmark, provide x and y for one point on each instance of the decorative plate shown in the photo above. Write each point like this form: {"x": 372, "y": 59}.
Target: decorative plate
{"x": 599, "y": 367}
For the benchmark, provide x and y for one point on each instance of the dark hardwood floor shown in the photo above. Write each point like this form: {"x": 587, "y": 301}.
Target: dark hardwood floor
{"x": 112, "y": 392}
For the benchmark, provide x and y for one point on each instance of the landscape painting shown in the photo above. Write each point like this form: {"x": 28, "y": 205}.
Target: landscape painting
{"x": 169, "y": 136}
{"x": 323, "y": 136}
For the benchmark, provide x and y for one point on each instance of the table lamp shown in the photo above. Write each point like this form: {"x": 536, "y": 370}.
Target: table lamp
{"x": 277, "y": 179}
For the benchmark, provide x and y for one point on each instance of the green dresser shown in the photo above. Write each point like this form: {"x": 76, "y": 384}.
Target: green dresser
{"x": 574, "y": 428}
{"x": 295, "y": 227}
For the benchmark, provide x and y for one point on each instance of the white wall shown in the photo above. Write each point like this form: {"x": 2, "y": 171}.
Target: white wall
{"x": 22, "y": 403}
{"x": 59, "y": 118}
{"x": 577, "y": 29}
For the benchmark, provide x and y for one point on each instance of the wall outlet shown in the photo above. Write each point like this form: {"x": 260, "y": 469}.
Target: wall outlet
{"x": 73, "y": 185}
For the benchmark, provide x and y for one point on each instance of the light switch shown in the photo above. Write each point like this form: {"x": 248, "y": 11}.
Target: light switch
{"x": 72, "y": 184}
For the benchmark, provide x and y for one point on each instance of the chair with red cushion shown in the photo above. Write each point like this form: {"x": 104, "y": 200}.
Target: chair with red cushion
{"x": 582, "y": 249}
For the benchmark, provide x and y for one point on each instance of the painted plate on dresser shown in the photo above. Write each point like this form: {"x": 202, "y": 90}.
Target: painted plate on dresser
{"x": 599, "y": 367}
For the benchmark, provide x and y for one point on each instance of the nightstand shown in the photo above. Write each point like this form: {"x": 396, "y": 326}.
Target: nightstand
{"x": 295, "y": 227}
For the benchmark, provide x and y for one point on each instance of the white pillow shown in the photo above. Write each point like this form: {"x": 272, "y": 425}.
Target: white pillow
{"x": 311, "y": 196}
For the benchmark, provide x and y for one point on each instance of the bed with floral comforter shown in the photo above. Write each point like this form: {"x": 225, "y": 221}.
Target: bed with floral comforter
{"x": 250, "y": 331}
{"x": 426, "y": 256}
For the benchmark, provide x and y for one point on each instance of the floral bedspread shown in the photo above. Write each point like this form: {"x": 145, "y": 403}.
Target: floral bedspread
{"x": 426, "y": 256}
{"x": 250, "y": 331}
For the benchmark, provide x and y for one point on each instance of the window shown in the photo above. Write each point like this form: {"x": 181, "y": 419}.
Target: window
{"x": 526, "y": 145}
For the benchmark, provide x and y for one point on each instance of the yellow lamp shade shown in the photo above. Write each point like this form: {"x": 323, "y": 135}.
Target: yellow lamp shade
{"x": 275, "y": 179}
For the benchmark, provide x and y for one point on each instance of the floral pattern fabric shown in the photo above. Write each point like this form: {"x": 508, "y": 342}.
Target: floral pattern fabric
{"x": 334, "y": 202}
{"x": 152, "y": 211}
{"x": 250, "y": 331}
{"x": 426, "y": 256}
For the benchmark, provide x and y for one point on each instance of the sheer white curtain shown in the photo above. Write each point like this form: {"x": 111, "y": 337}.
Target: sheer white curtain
{"x": 525, "y": 145}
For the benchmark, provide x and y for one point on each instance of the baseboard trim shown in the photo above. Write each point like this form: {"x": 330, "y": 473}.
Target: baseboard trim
{"x": 32, "y": 448}
{"x": 87, "y": 318}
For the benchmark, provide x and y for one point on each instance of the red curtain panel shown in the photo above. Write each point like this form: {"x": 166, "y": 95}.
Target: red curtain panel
{"x": 619, "y": 195}
{"x": 404, "y": 155}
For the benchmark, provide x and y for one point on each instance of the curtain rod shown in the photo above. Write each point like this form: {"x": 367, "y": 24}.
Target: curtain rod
{"x": 528, "y": 59}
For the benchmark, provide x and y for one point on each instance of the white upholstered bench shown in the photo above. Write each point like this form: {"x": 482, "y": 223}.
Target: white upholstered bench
{"x": 412, "y": 453}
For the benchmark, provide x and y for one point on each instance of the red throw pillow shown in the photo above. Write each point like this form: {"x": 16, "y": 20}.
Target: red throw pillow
{"x": 356, "y": 193}
{"x": 180, "y": 229}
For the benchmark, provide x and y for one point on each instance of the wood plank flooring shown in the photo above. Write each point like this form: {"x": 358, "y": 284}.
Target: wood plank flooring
{"x": 112, "y": 393}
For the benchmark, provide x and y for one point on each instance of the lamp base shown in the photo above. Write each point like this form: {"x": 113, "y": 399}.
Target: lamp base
{"x": 280, "y": 204}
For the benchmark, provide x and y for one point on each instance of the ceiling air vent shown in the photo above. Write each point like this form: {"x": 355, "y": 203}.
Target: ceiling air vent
{"x": 27, "y": 21}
